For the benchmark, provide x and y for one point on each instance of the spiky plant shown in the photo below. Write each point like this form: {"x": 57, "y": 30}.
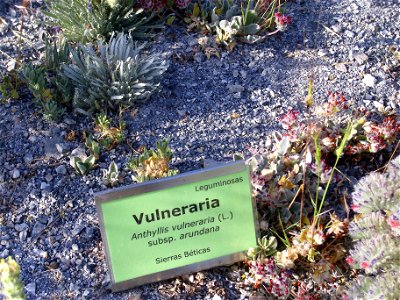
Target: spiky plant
{"x": 377, "y": 235}
{"x": 50, "y": 88}
{"x": 87, "y": 20}
{"x": 112, "y": 75}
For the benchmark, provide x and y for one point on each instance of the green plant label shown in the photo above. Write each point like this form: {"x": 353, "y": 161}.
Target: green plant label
{"x": 176, "y": 225}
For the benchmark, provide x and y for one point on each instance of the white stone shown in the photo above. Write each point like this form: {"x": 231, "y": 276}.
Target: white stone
{"x": 341, "y": 67}
{"x": 369, "y": 80}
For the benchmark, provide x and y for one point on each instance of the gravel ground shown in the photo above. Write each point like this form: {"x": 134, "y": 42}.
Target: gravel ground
{"x": 209, "y": 109}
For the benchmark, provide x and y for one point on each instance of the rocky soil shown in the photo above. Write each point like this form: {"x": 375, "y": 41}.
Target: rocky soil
{"x": 209, "y": 109}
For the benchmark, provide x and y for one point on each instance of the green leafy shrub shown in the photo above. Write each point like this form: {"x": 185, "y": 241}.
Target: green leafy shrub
{"x": 112, "y": 75}
{"x": 152, "y": 164}
{"x": 87, "y": 21}
{"x": 11, "y": 287}
{"x": 376, "y": 234}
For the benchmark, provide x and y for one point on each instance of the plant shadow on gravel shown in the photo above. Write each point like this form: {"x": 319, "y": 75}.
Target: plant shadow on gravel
{"x": 195, "y": 100}
{"x": 228, "y": 104}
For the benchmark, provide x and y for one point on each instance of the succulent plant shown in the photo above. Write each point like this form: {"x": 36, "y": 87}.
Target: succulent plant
{"x": 152, "y": 164}
{"x": 93, "y": 146}
{"x": 82, "y": 165}
{"x": 57, "y": 52}
{"x": 56, "y": 55}
{"x": 112, "y": 75}
{"x": 11, "y": 287}
{"x": 51, "y": 90}
{"x": 266, "y": 247}
{"x": 87, "y": 20}
{"x": 36, "y": 80}
{"x": 52, "y": 111}
{"x": 111, "y": 175}
{"x": 232, "y": 23}
{"x": 377, "y": 236}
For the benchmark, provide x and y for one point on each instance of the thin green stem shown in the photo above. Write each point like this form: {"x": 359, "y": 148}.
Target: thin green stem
{"x": 318, "y": 161}
{"x": 283, "y": 229}
{"x": 338, "y": 152}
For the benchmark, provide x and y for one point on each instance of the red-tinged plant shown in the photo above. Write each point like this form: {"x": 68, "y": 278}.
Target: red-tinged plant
{"x": 302, "y": 163}
{"x": 265, "y": 273}
{"x": 282, "y": 21}
{"x": 159, "y": 5}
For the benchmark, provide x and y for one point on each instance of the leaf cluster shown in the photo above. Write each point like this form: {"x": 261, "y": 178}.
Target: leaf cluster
{"x": 49, "y": 87}
{"x": 87, "y": 21}
{"x": 152, "y": 164}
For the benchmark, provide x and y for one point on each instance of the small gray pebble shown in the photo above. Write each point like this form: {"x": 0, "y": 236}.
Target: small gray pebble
{"x": 62, "y": 170}
{"x": 21, "y": 227}
{"x": 37, "y": 229}
{"x": 28, "y": 158}
{"x": 44, "y": 185}
{"x": 31, "y": 288}
{"x": 235, "y": 88}
{"x": 360, "y": 58}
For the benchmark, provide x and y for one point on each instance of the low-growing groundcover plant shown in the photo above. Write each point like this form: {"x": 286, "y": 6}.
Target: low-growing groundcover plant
{"x": 226, "y": 21}
{"x": 247, "y": 21}
{"x": 376, "y": 235}
{"x": 303, "y": 169}
{"x": 112, "y": 75}
{"x": 99, "y": 68}
{"x": 152, "y": 164}
{"x": 109, "y": 136}
{"x": 11, "y": 287}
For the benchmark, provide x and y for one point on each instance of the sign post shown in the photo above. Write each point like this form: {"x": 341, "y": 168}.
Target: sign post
{"x": 177, "y": 225}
